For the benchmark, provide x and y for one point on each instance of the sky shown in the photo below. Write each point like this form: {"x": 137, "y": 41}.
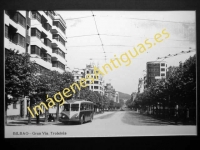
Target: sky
{"x": 121, "y": 31}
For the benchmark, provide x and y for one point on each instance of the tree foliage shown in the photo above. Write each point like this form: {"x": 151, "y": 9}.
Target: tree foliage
{"x": 178, "y": 89}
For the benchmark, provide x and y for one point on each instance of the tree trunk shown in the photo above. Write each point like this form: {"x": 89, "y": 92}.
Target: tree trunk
{"x": 164, "y": 109}
{"x": 57, "y": 112}
{"x": 29, "y": 114}
{"x": 153, "y": 110}
{"x": 38, "y": 118}
{"x": 46, "y": 115}
{"x": 156, "y": 109}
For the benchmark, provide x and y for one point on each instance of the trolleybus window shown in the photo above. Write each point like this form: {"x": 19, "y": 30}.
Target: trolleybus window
{"x": 82, "y": 107}
{"x": 74, "y": 107}
{"x": 66, "y": 107}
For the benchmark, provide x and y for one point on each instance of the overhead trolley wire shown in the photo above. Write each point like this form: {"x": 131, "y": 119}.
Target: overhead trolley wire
{"x": 78, "y": 18}
{"x": 193, "y": 23}
{"x": 124, "y": 36}
{"x": 172, "y": 55}
{"x": 98, "y": 34}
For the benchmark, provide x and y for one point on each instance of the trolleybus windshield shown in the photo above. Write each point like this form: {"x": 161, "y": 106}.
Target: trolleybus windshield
{"x": 74, "y": 107}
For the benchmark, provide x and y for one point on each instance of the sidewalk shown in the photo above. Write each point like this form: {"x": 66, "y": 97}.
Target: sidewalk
{"x": 24, "y": 121}
{"x": 169, "y": 120}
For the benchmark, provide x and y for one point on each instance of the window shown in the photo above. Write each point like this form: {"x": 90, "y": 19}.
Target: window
{"x": 96, "y": 82}
{"x": 82, "y": 107}
{"x": 157, "y": 74}
{"x": 36, "y": 15}
{"x": 13, "y": 15}
{"x": 35, "y": 32}
{"x": 10, "y": 33}
{"x": 162, "y": 64}
{"x": 87, "y": 82}
{"x": 21, "y": 20}
{"x": 95, "y": 87}
{"x": 14, "y": 106}
{"x": 59, "y": 38}
{"x": 74, "y": 107}
{"x": 59, "y": 25}
{"x": 47, "y": 26}
{"x": 162, "y": 69}
{"x": 6, "y": 31}
{"x": 162, "y": 74}
{"x": 47, "y": 42}
{"x": 58, "y": 65}
{"x": 66, "y": 107}
{"x": 48, "y": 58}
{"x": 21, "y": 40}
{"x": 35, "y": 50}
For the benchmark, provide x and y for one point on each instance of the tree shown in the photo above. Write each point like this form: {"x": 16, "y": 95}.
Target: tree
{"x": 20, "y": 76}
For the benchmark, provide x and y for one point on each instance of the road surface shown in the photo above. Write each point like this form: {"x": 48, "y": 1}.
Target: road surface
{"x": 116, "y": 123}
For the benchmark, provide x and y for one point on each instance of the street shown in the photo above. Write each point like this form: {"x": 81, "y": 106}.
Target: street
{"x": 115, "y": 123}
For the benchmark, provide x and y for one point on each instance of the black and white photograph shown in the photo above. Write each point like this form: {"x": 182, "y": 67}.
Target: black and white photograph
{"x": 99, "y": 73}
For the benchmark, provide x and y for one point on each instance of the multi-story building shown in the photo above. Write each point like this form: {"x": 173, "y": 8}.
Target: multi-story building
{"x": 17, "y": 25}
{"x": 48, "y": 40}
{"x": 98, "y": 85}
{"x": 155, "y": 70}
{"x": 111, "y": 93}
{"x": 145, "y": 82}
{"x": 141, "y": 85}
{"x": 116, "y": 97}
{"x": 42, "y": 35}
{"x": 78, "y": 74}
{"x": 17, "y": 37}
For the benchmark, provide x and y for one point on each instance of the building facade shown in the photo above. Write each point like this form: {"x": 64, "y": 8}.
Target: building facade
{"x": 111, "y": 93}
{"x": 78, "y": 74}
{"x": 141, "y": 85}
{"x": 155, "y": 70}
{"x": 98, "y": 85}
{"x": 42, "y": 35}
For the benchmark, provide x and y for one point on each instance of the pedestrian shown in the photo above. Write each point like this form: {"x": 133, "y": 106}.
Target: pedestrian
{"x": 176, "y": 116}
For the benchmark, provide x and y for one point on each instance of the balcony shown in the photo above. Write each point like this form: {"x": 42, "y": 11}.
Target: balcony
{"x": 28, "y": 21}
{"x": 56, "y": 30}
{"x": 57, "y": 57}
{"x": 56, "y": 43}
{"x": 41, "y": 61}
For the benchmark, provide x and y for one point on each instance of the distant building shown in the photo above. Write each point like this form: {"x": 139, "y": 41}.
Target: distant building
{"x": 78, "y": 74}
{"x": 141, "y": 85}
{"x": 116, "y": 98}
{"x": 145, "y": 82}
{"x": 111, "y": 93}
{"x": 156, "y": 70}
{"x": 98, "y": 85}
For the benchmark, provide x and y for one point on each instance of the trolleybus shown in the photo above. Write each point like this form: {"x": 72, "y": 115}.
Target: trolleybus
{"x": 77, "y": 110}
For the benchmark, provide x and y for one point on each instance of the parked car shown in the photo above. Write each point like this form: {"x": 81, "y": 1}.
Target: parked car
{"x": 51, "y": 118}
